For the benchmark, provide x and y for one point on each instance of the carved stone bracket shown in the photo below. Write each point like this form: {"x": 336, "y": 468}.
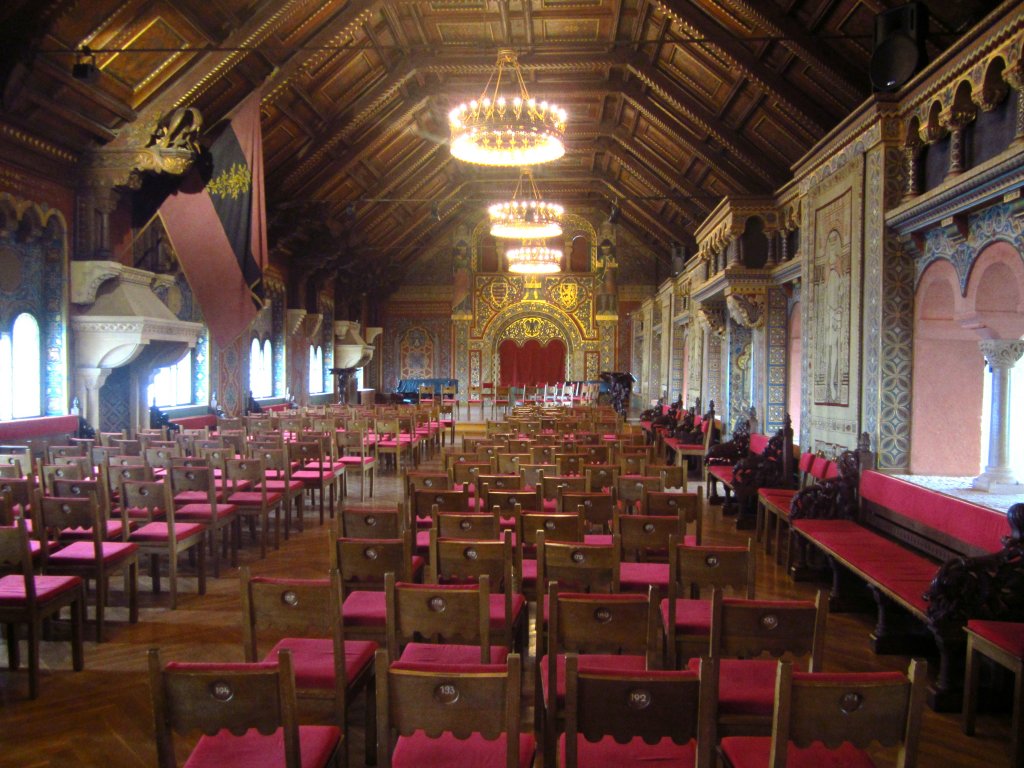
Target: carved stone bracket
{"x": 747, "y": 307}
{"x": 712, "y": 317}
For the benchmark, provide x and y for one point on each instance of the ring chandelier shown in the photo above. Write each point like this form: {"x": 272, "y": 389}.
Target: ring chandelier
{"x": 526, "y": 216}
{"x": 534, "y": 259}
{"x": 507, "y": 130}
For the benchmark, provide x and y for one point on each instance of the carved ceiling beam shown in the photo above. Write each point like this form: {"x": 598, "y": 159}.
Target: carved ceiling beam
{"x": 691, "y": 216}
{"x": 528, "y": 24}
{"x": 842, "y": 81}
{"x": 731, "y": 138}
{"x": 695, "y": 23}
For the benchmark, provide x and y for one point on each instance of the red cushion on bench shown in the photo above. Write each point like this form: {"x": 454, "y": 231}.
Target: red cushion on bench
{"x": 1008, "y": 635}
{"x": 819, "y": 467}
{"x": 758, "y": 443}
{"x": 721, "y": 472}
{"x": 22, "y": 429}
{"x": 976, "y": 525}
{"x": 806, "y": 461}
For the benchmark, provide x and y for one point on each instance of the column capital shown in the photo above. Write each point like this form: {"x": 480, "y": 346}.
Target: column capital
{"x": 1001, "y": 353}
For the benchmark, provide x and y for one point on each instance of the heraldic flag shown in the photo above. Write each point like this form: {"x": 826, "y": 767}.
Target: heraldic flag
{"x": 216, "y": 221}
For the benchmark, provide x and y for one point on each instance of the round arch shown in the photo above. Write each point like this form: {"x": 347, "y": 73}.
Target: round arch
{"x": 540, "y": 322}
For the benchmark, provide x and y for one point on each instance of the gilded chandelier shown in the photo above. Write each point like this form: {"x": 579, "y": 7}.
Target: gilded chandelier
{"x": 534, "y": 259}
{"x": 526, "y": 216}
{"x": 507, "y": 129}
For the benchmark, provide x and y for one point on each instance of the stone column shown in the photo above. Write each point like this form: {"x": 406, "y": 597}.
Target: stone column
{"x": 89, "y": 382}
{"x": 998, "y": 476}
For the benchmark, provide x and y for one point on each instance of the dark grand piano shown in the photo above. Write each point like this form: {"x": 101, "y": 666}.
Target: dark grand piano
{"x": 408, "y": 389}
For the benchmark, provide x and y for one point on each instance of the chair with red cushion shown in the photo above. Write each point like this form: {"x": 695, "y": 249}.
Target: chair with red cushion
{"x": 94, "y": 558}
{"x": 615, "y": 632}
{"x": 26, "y": 598}
{"x": 619, "y": 718}
{"x": 304, "y": 616}
{"x": 827, "y": 720}
{"x": 354, "y": 454}
{"x": 392, "y": 440}
{"x": 440, "y": 623}
{"x": 317, "y": 469}
{"x": 114, "y": 527}
{"x": 246, "y": 713}
{"x": 742, "y": 633}
{"x": 1003, "y": 643}
{"x": 474, "y": 397}
{"x": 451, "y": 717}
{"x": 601, "y": 478}
{"x": 357, "y": 522}
{"x": 247, "y": 491}
{"x": 645, "y": 541}
{"x": 686, "y": 618}
{"x": 162, "y": 535}
{"x": 277, "y": 478}
{"x": 363, "y": 564}
{"x": 632, "y": 488}
{"x": 196, "y": 500}
{"x": 596, "y": 507}
{"x": 689, "y": 506}
{"x": 461, "y": 560}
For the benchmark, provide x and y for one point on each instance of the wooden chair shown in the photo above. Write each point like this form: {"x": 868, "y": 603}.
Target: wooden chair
{"x": 509, "y": 463}
{"x": 248, "y": 492}
{"x": 304, "y": 616}
{"x": 620, "y": 718}
{"x": 601, "y": 477}
{"x": 391, "y": 441}
{"x": 533, "y": 474}
{"x": 689, "y": 506}
{"x": 616, "y": 632}
{"x": 30, "y": 600}
{"x": 458, "y": 560}
{"x": 571, "y": 463}
{"x": 1001, "y": 642}
{"x": 256, "y": 701}
{"x": 597, "y": 508}
{"x": 440, "y": 623}
{"x": 434, "y": 710}
{"x": 371, "y": 522}
{"x": 277, "y": 478}
{"x": 741, "y": 631}
{"x": 502, "y": 400}
{"x": 467, "y": 525}
{"x": 94, "y": 559}
{"x": 195, "y": 487}
{"x": 633, "y": 464}
{"x": 474, "y": 397}
{"x": 363, "y": 563}
{"x": 631, "y": 489}
{"x": 317, "y": 471}
{"x": 686, "y": 618}
{"x": 556, "y": 527}
{"x": 830, "y": 719}
{"x": 164, "y": 536}
{"x": 672, "y": 475}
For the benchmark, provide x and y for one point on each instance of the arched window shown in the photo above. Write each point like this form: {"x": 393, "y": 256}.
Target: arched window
{"x": 316, "y": 370}
{"x": 172, "y": 385}
{"x": 21, "y": 369}
{"x": 261, "y": 368}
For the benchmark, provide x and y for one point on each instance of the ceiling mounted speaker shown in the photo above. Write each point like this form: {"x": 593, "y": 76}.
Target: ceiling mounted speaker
{"x": 899, "y": 51}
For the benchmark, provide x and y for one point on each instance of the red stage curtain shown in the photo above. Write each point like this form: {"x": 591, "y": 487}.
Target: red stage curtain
{"x": 531, "y": 363}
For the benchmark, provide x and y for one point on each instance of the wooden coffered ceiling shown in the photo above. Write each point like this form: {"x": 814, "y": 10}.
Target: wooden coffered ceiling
{"x": 672, "y": 103}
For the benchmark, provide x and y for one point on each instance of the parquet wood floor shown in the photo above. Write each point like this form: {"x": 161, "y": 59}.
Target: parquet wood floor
{"x": 102, "y": 716}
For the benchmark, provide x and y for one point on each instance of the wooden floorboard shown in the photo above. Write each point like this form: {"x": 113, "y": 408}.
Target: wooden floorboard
{"x": 102, "y": 716}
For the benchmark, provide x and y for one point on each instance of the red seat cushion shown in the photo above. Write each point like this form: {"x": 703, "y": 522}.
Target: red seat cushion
{"x": 1008, "y": 635}
{"x": 591, "y": 662}
{"x": 313, "y": 659}
{"x": 254, "y": 498}
{"x": 194, "y": 497}
{"x": 754, "y": 752}
{"x": 12, "y": 588}
{"x": 254, "y": 749}
{"x": 723, "y": 473}
{"x": 419, "y": 750}
{"x": 498, "y": 609}
{"x": 82, "y": 552}
{"x": 363, "y": 608}
{"x": 357, "y": 460}
{"x": 114, "y": 530}
{"x": 693, "y": 617}
{"x": 637, "y": 577}
{"x": 205, "y": 512}
{"x": 745, "y": 686}
{"x": 157, "y": 531}
{"x": 608, "y": 753}
{"x": 280, "y": 485}
{"x": 452, "y": 654}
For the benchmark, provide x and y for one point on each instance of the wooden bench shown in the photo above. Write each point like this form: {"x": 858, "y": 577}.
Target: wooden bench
{"x": 208, "y": 420}
{"x": 773, "y": 503}
{"x": 39, "y": 433}
{"x": 707, "y": 427}
{"x": 895, "y": 537}
{"x": 749, "y": 462}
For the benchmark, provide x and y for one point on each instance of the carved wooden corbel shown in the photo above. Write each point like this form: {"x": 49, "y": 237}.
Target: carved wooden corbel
{"x": 293, "y": 321}
{"x": 712, "y": 317}
{"x": 747, "y": 307}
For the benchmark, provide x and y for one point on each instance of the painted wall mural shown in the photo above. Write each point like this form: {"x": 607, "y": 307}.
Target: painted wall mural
{"x": 831, "y": 281}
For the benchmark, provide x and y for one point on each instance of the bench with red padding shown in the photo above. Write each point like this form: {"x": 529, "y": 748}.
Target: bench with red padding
{"x": 39, "y": 432}
{"x": 207, "y": 420}
{"x": 773, "y": 503}
{"x": 900, "y": 537}
{"x": 723, "y": 473}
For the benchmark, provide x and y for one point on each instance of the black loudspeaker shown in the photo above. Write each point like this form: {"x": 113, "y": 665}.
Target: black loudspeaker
{"x": 899, "y": 51}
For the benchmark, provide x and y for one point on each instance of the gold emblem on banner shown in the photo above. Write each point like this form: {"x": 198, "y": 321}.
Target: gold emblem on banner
{"x": 568, "y": 294}
{"x": 233, "y": 183}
